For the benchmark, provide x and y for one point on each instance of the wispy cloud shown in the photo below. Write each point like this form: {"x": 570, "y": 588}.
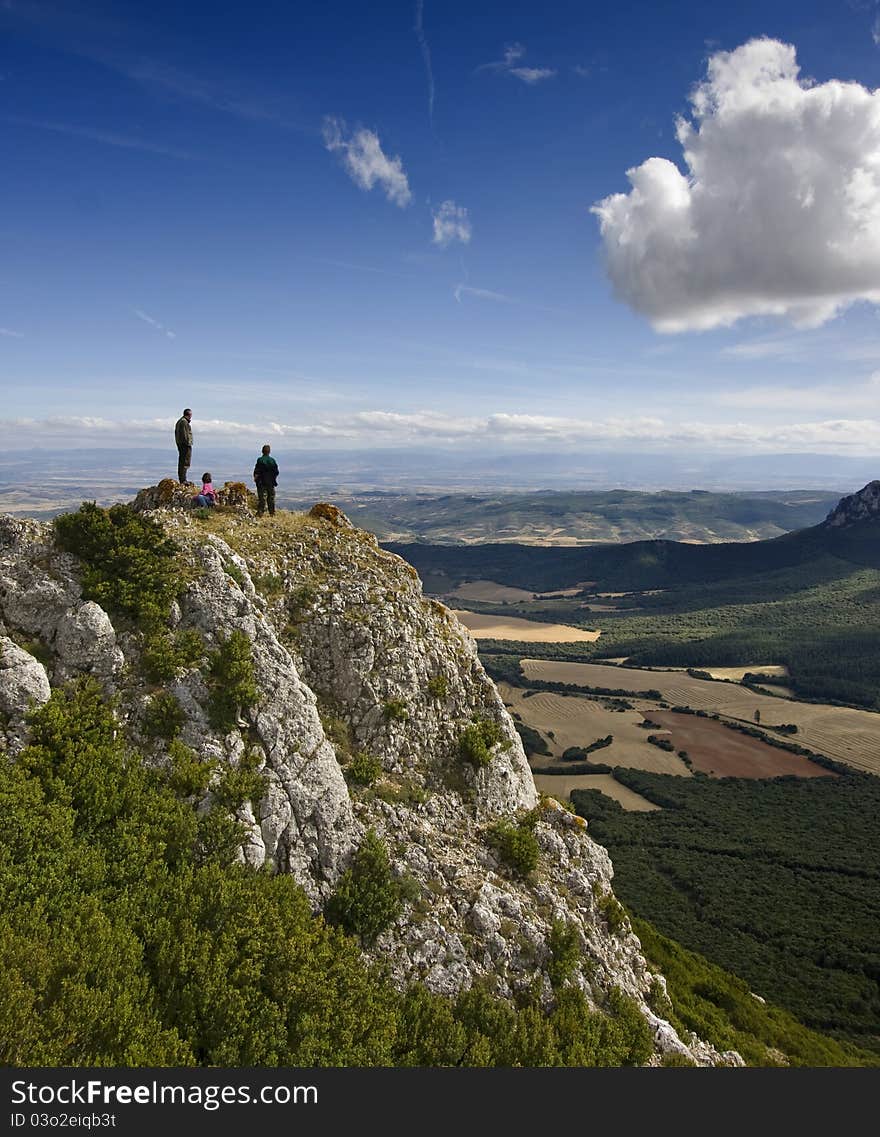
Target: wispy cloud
{"x": 790, "y": 350}
{"x": 366, "y": 162}
{"x": 148, "y": 319}
{"x": 509, "y": 65}
{"x": 426, "y": 56}
{"x": 451, "y": 223}
{"x": 533, "y": 74}
{"x": 512, "y": 53}
{"x": 502, "y": 298}
{"x": 394, "y": 428}
{"x": 11, "y": 333}
{"x": 217, "y": 96}
{"x": 106, "y": 137}
{"x": 482, "y": 294}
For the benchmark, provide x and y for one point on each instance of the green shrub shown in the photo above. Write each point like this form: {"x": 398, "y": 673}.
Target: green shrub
{"x": 186, "y": 774}
{"x": 532, "y": 740}
{"x": 438, "y": 687}
{"x": 269, "y": 584}
{"x": 130, "y": 937}
{"x": 405, "y": 792}
{"x": 367, "y": 898}
{"x": 363, "y": 769}
{"x": 164, "y": 655}
{"x": 611, "y": 908}
{"x": 299, "y": 602}
{"x": 658, "y": 1000}
{"x": 565, "y": 951}
{"x": 661, "y": 743}
{"x": 477, "y": 740}
{"x": 130, "y": 565}
{"x": 673, "y": 1057}
{"x": 164, "y": 716}
{"x": 219, "y": 838}
{"x": 394, "y": 710}
{"x": 231, "y": 677}
{"x": 232, "y": 569}
{"x": 241, "y": 783}
{"x": 515, "y": 845}
{"x": 338, "y": 731}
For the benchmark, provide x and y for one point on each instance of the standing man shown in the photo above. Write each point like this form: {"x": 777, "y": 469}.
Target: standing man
{"x": 183, "y": 436}
{"x": 266, "y": 479}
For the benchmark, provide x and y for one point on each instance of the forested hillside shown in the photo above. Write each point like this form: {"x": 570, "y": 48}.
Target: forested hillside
{"x": 775, "y": 880}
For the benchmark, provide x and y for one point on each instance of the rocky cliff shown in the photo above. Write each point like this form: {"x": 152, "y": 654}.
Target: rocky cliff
{"x": 861, "y": 506}
{"x": 355, "y": 670}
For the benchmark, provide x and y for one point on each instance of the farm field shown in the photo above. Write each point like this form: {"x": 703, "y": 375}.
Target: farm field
{"x": 736, "y": 673}
{"x": 561, "y": 785}
{"x": 525, "y": 631}
{"x": 577, "y": 721}
{"x": 842, "y": 733}
{"x": 490, "y": 592}
{"x": 715, "y": 749}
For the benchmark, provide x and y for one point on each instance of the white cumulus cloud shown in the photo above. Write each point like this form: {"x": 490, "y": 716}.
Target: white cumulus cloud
{"x": 451, "y": 223}
{"x": 366, "y": 162}
{"x": 778, "y": 214}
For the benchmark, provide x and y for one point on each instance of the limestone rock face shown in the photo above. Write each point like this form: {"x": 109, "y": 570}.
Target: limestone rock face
{"x": 351, "y": 663}
{"x": 23, "y": 684}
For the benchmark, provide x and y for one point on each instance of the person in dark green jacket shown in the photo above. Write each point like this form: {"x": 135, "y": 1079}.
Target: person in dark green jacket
{"x": 266, "y": 479}
{"x": 183, "y": 437}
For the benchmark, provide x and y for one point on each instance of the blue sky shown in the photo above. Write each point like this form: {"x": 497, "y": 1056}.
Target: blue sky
{"x": 350, "y": 225}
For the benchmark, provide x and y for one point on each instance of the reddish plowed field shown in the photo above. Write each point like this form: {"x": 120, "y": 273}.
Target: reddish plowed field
{"x": 725, "y": 753}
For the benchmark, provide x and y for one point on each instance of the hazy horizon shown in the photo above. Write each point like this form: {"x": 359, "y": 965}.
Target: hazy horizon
{"x": 34, "y": 481}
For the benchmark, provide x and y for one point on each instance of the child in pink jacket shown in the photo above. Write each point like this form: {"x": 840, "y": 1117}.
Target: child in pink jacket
{"x": 206, "y": 496}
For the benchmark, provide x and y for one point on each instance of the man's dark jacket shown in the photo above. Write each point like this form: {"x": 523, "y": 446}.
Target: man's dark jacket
{"x": 266, "y": 471}
{"x": 183, "y": 434}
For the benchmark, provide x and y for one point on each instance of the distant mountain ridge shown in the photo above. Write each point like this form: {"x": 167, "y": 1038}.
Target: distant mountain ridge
{"x": 584, "y": 517}
{"x": 850, "y": 530}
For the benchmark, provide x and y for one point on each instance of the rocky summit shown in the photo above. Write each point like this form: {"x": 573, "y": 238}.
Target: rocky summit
{"x": 371, "y": 713}
{"x": 861, "y": 506}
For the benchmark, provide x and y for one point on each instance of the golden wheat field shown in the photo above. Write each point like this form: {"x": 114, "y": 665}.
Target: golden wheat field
{"x": 561, "y": 785}
{"x": 524, "y": 631}
{"x": 736, "y": 673}
{"x": 842, "y": 733}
